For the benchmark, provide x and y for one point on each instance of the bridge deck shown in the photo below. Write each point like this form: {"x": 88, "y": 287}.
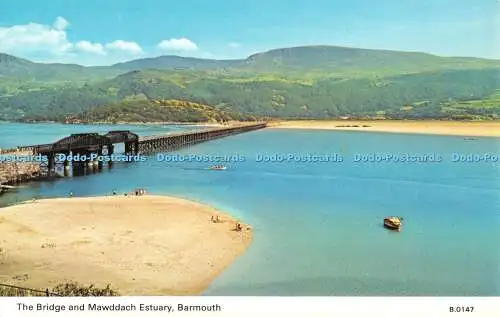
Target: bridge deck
{"x": 186, "y": 133}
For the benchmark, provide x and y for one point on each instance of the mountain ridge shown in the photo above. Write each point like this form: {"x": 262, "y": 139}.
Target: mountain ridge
{"x": 297, "y": 58}
{"x": 301, "y": 82}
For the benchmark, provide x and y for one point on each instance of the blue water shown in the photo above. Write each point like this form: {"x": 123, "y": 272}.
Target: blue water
{"x": 317, "y": 226}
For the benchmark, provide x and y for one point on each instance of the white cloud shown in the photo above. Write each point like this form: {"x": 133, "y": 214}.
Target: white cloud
{"x": 50, "y": 43}
{"x": 182, "y": 44}
{"x": 86, "y": 46}
{"x": 130, "y": 47}
{"x": 234, "y": 45}
{"x": 61, "y": 23}
{"x": 34, "y": 37}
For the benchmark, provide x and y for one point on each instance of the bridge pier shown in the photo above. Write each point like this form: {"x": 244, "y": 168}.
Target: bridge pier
{"x": 78, "y": 166}
{"x": 51, "y": 164}
{"x": 99, "y": 162}
{"x": 131, "y": 148}
{"x": 67, "y": 167}
{"x": 110, "y": 150}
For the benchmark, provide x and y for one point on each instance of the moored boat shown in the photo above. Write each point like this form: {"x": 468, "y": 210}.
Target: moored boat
{"x": 5, "y": 188}
{"x": 218, "y": 167}
{"x": 393, "y": 223}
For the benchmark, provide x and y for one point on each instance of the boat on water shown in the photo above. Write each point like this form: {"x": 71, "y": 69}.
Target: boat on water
{"x": 5, "y": 188}
{"x": 218, "y": 167}
{"x": 393, "y": 223}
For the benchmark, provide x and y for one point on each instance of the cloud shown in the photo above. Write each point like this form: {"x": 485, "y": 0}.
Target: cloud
{"x": 34, "y": 37}
{"x": 60, "y": 23}
{"x": 50, "y": 43}
{"x": 182, "y": 44}
{"x": 234, "y": 45}
{"x": 86, "y": 46}
{"x": 130, "y": 47}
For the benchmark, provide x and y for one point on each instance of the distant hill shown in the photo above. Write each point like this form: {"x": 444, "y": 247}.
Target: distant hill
{"x": 439, "y": 94}
{"x": 297, "y": 82}
{"x": 171, "y": 62}
{"x": 317, "y": 59}
{"x": 336, "y": 58}
{"x": 17, "y": 68}
{"x": 12, "y": 66}
{"x": 305, "y": 59}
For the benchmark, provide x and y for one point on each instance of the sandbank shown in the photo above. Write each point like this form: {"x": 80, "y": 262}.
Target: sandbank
{"x": 459, "y": 128}
{"x": 141, "y": 245}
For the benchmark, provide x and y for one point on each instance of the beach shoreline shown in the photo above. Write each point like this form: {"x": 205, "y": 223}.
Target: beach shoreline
{"x": 431, "y": 127}
{"x": 140, "y": 245}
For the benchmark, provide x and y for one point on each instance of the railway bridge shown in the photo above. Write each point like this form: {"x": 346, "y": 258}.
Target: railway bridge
{"x": 94, "y": 145}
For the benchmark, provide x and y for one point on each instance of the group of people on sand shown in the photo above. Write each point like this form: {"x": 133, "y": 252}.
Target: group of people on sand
{"x": 237, "y": 226}
{"x": 137, "y": 192}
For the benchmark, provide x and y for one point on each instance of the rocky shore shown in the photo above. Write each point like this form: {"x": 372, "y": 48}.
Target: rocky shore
{"x": 17, "y": 172}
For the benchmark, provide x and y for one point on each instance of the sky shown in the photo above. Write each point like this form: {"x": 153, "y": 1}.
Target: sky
{"x": 103, "y": 32}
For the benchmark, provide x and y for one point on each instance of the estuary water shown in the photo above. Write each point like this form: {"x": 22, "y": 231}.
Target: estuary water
{"x": 318, "y": 225}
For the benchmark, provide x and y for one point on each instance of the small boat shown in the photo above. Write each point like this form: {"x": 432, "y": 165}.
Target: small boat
{"x": 393, "y": 223}
{"x": 5, "y": 188}
{"x": 218, "y": 167}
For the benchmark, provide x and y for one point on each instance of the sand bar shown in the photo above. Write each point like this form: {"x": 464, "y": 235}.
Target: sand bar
{"x": 459, "y": 128}
{"x": 141, "y": 245}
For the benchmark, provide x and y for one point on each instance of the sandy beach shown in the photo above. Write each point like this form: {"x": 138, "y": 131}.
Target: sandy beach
{"x": 141, "y": 245}
{"x": 459, "y": 128}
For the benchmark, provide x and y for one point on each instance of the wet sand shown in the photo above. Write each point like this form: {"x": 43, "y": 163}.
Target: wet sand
{"x": 141, "y": 245}
{"x": 459, "y": 128}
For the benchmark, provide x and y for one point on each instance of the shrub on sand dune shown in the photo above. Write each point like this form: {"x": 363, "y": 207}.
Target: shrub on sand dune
{"x": 76, "y": 289}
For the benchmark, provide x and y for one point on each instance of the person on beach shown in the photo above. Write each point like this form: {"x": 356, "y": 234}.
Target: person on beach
{"x": 70, "y": 194}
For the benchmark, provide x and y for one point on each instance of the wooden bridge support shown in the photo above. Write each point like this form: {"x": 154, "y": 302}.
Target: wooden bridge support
{"x": 109, "y": 150}
{"x": 131, "y": 148}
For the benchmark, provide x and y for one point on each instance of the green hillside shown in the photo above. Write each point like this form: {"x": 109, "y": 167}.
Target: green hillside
{"x": 305, "y": 59}
{"x": 12, "y": 68}
{"x": 176, "y": 63}
{"x": 317, "y": 60}
{"x": 301, "y": 82}
{"x": 359, "y": 61}
{"x": 144, "y": 110}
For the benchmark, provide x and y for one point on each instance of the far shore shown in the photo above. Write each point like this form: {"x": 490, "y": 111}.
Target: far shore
{"x": 205, "y": 124}
{"x": 140, "y": 245}
{"x": 216, "y": 124}
{"x": 458, "y": 128}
